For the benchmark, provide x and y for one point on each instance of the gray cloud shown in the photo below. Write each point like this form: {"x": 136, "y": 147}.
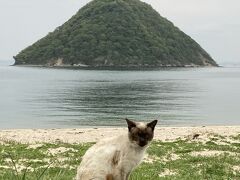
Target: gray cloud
{"x": 212, "y": 23}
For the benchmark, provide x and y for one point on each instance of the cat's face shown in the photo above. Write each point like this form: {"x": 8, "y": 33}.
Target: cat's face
{"x": 141, "y": 133}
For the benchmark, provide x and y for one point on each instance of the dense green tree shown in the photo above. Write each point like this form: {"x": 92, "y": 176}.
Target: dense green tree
{"x": 116, "y": 33}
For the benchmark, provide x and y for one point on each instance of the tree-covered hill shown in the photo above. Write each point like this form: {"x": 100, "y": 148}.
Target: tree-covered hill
{"x": 116, "y": 33}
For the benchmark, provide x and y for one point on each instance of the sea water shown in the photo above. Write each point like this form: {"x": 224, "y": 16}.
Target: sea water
{"x": 66, "y": 98}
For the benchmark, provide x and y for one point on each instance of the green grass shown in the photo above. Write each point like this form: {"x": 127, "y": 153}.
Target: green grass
{"x": 181, "y": 159}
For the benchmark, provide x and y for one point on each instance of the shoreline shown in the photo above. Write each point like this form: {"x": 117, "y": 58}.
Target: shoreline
{"x": 84, "y": 135}
{"x": 123, "y": 67}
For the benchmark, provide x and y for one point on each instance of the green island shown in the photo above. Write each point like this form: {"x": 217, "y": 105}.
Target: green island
{"x": 217, "y": 157}
{"x": 116, "y": 33}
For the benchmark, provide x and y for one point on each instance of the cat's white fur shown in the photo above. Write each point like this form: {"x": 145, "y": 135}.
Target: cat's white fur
{"x": 97, "y": 163}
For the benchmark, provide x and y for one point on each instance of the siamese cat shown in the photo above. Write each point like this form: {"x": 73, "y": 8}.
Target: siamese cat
{"x": 114, "y": 158}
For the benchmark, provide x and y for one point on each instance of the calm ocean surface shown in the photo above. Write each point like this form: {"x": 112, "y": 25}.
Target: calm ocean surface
{"x": 64, "y": 98}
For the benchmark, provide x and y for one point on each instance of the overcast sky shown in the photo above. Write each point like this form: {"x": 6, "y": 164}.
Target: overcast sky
{"x": 214, "y": 24}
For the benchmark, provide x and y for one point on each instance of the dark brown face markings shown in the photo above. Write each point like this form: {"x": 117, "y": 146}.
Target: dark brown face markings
{"x": 116, "y": 158}
{"x": 109, "y": 177}
{"x": 141, "y": 133}
{"x": 141, "y": 136}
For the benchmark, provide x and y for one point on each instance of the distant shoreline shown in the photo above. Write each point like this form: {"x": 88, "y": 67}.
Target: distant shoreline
{"x": 83, "y": 135}
{"x": 113, "y": 67}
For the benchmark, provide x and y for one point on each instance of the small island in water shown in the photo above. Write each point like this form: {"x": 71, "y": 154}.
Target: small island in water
{"x": 116, "y": 33}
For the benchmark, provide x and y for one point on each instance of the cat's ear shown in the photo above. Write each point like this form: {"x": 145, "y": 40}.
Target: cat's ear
{"x": 152, "y": 124}
{"x": 131, "y": 124}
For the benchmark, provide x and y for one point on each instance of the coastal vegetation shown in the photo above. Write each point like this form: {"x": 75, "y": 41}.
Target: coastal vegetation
{"x": 216, "y": 157}
{"x": 116, "y": 33}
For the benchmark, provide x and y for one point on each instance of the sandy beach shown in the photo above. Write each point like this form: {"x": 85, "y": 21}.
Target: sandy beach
{"x": 182, "y": 152}
{"x": 32, "y": 136}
